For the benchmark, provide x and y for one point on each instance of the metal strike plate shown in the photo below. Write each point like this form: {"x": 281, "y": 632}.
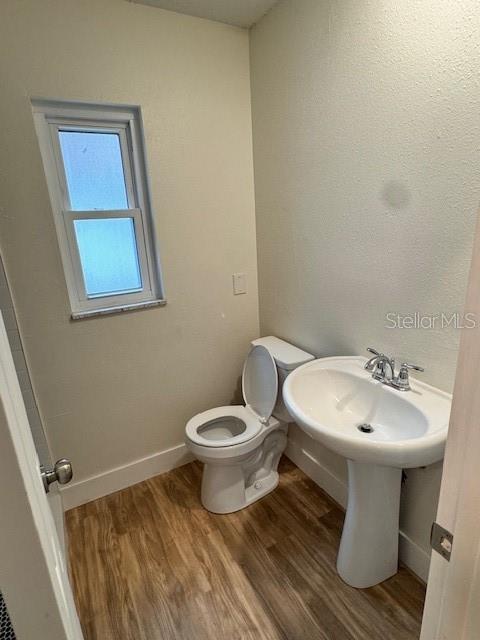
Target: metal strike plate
{"x": 441, "y": 541}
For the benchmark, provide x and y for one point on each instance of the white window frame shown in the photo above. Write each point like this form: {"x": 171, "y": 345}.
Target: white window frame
{"x": 52, "y": 117}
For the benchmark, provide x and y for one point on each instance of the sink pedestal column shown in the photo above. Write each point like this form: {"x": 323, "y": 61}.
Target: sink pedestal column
{"x": 368, "y": 551}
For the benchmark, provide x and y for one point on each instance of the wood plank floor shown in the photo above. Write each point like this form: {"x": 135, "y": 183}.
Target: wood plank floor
{"x": 149, "y": 563}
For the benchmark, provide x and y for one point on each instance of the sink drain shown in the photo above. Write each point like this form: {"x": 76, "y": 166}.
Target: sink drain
{"x": 365, "y": 428}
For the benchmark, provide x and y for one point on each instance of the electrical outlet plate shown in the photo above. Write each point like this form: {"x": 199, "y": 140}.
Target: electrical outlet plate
{"x": 239, "y": 283}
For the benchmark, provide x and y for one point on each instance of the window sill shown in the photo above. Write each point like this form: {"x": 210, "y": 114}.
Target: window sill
{"x": 80, "y": 315}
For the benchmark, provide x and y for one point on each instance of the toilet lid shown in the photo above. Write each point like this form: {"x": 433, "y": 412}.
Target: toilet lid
{"x": 260, "y": 382}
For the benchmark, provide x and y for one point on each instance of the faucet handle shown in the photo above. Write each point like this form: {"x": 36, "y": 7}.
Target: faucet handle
{"x": 402, "y": 382}
{"x": 415, "y": 367}
{"x": 374, "y": 351}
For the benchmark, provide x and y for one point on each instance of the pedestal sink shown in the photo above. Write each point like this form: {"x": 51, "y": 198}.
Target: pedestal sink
{"x": 380, "y": 431}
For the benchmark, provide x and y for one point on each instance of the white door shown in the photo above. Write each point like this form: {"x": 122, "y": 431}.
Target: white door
{"x": 33, "y": 576}
{"x": 452, "y": 606}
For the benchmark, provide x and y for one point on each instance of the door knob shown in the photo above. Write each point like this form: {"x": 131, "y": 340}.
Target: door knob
{"x": 61, "y": 473}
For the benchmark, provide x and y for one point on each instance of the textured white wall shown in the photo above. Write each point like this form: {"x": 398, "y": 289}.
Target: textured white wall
{"x": 367, "y": 176}
{"x": 117, "y": 388}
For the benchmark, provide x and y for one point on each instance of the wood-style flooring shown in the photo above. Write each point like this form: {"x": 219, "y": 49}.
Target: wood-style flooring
{"x": 149, "y": 563}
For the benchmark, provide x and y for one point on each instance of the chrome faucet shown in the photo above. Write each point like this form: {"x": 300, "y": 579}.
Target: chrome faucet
{"x": 383, "y": 370}
{"x": 379, "y": 364}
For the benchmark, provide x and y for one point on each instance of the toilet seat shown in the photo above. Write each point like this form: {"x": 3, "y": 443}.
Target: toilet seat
{"x": 232, "y": 425}
{"x": 250, "y": 426}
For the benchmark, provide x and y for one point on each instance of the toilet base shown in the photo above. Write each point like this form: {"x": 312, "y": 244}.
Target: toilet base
{"x": 232, "y": 486}
{"x": 233, "y": 495}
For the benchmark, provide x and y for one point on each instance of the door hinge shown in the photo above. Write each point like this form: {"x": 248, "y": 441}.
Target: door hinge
{"x": 441, "y": 541}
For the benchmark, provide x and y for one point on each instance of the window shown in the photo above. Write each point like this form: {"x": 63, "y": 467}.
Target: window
{"x": 95, "y": 168}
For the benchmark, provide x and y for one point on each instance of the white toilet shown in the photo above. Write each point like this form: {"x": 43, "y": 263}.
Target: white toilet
{"x": 241, "y": 446}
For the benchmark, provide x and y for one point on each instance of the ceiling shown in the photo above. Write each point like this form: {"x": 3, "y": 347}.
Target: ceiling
{"x": 241, "y": 13}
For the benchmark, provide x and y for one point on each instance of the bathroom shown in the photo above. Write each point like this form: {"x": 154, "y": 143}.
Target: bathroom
{"x": 298, "y": 170}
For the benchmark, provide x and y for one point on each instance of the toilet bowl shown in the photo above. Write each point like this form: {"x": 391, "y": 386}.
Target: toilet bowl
{"x": 241, "y": 446}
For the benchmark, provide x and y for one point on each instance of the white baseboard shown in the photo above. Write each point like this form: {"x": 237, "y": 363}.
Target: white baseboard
{"x": 414, "y": 557}
{"x": 326, "y": 480}
{"x": 411, "y": 554}
{"x": 100, "y": 485}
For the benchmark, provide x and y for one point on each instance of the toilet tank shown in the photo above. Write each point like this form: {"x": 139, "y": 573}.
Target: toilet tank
{"x": 287, "y": 358}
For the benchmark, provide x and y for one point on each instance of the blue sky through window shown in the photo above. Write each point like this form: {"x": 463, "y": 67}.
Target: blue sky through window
{"x": 94, "y": 170}
{"x": 108, "y": 255}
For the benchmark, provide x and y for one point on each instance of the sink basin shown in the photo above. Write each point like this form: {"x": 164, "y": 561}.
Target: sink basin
{"x": 331, "y": 398}
{"x": 380, "y": 430}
